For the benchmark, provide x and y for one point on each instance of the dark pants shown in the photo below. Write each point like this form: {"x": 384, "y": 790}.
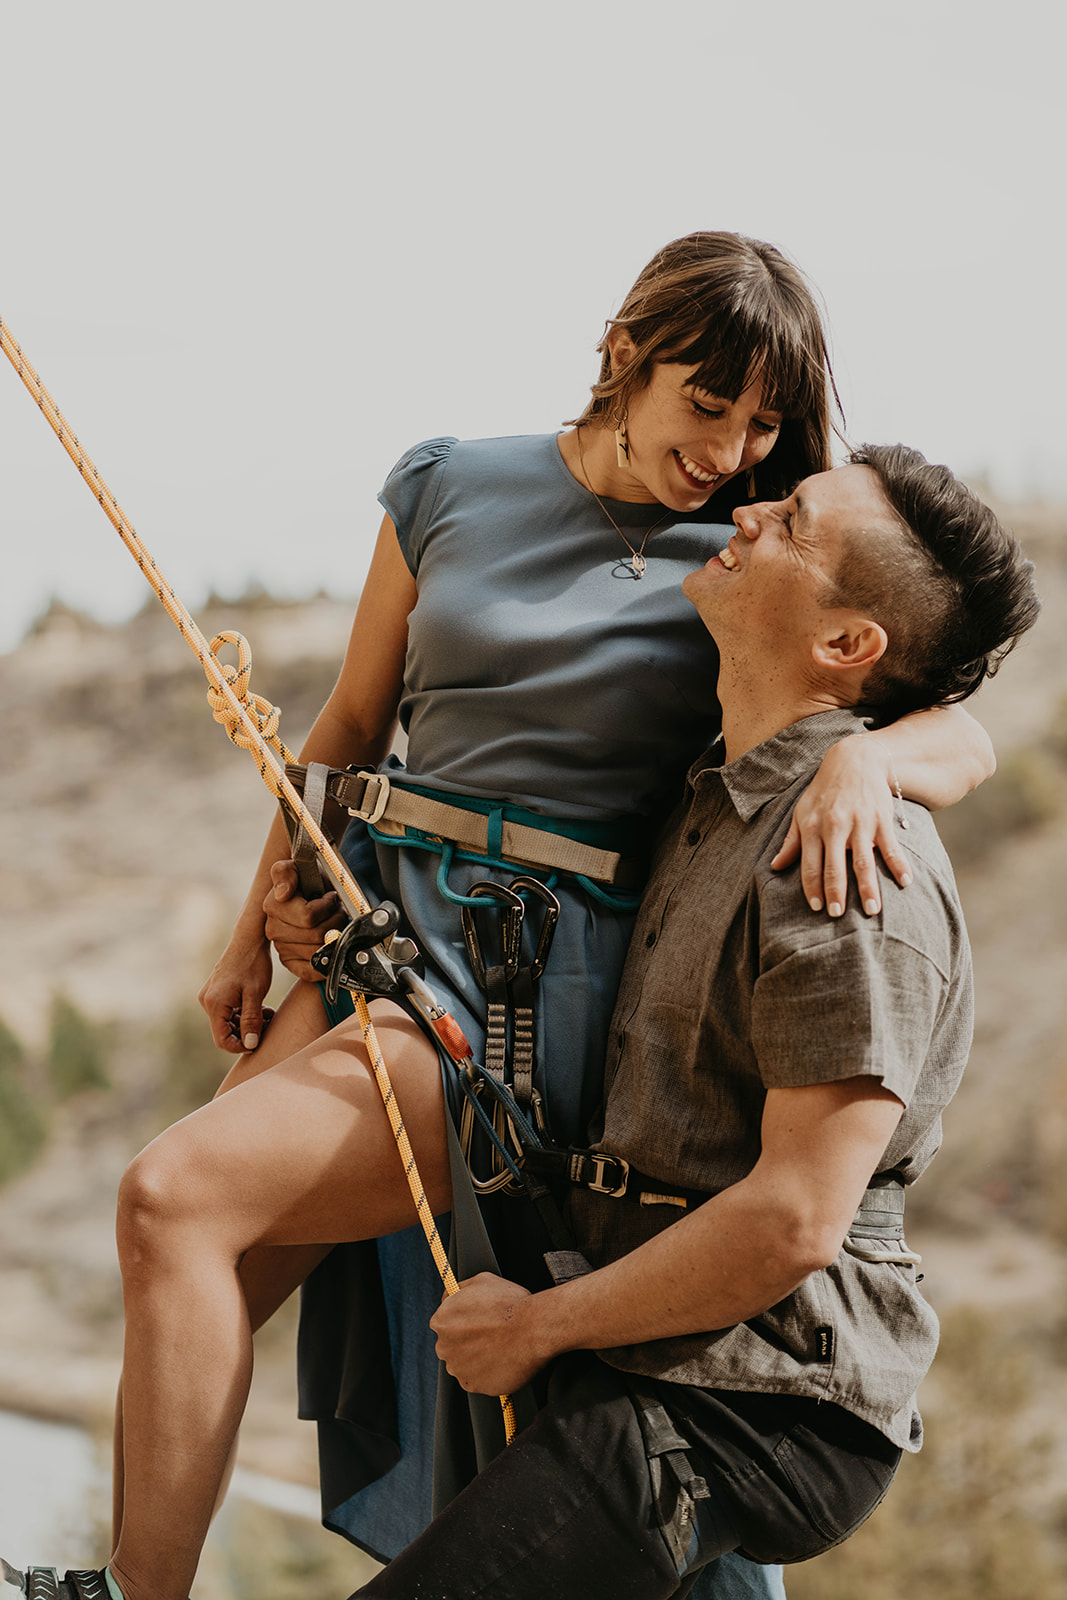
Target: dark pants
{"x": 624, "y": 1487}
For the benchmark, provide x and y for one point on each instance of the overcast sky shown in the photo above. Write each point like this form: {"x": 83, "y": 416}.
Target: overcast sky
{"x": 256, "y": 250}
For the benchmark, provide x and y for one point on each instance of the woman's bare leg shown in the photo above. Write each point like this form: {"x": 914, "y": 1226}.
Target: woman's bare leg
{"x": 297, "y": 1156}
{"x": 270, "y": 1274}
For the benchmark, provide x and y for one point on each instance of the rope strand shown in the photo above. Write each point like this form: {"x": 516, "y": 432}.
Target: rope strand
{"x": 252, "y": 724}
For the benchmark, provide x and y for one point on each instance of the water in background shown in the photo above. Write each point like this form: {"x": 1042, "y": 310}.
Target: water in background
{"x": 49, "y": 1480}
{"x": 54, "y": 1492}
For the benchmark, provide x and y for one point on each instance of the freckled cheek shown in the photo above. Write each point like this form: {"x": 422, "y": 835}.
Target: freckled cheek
{"x": 757, "y": 450}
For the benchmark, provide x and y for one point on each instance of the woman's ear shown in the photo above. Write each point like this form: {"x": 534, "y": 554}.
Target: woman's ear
{"x": 621, "y": 349}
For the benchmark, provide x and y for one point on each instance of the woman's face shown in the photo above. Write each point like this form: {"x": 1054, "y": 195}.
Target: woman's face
{"x": 686, "y": 443}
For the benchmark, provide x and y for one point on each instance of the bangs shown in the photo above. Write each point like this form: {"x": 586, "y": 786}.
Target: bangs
{"x": 751, "y": 342}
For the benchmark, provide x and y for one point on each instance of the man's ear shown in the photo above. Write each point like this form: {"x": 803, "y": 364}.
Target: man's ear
{"x": 848, "y": 643}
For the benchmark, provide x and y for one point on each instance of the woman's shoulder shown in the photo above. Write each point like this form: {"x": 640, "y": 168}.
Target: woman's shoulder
{"x": 507, "y": 451}
{"x": 427, "y": 454}
{"x": 505, "y": 465}
{"x": 446, "y": 475}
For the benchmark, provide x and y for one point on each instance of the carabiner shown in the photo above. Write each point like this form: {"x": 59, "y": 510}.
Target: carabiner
{"x": 548, "y": 927}
{"x": 510, "y": 929}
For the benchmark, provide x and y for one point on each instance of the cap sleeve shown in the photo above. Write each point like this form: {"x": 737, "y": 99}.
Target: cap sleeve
{"x": 410, "y": 493}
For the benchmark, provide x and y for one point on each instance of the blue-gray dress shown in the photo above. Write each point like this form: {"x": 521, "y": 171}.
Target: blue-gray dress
{"x": 541, "y": 676}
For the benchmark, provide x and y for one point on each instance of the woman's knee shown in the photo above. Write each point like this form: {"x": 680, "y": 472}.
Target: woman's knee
{"x": 158, "y": 1197}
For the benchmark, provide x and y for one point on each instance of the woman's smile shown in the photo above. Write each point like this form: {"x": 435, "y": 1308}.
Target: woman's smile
{"x": 699, "y": 477}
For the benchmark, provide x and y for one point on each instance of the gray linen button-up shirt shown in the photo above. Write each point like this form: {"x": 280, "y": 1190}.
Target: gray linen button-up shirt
{"x": 734, "y": 986}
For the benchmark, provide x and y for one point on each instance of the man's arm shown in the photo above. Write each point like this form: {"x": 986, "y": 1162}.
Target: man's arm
{"x": 736, "y": 1255}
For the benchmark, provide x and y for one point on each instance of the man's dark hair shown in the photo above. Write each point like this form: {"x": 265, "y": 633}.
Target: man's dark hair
{"x": 954, "y": 596}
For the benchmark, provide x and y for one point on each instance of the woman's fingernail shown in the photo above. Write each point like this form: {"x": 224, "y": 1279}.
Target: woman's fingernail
{"x": 871, "y": 907}
{"x": 251, "y": 1040}
{"x": 815, "y": 903}
{"x": 834, "y": 909}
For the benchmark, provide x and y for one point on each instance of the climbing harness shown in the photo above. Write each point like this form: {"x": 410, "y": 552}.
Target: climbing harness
{"x": 252, "y": 724}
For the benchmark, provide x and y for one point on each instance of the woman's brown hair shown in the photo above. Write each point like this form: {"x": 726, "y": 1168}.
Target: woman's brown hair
{"x": 735, "y": 309}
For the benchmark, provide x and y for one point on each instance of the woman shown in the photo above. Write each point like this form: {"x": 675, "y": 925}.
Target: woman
{"x": 524, "y": 612}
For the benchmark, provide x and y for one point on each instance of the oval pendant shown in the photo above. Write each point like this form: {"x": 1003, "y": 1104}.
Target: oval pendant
{"x": 637, "y": 565}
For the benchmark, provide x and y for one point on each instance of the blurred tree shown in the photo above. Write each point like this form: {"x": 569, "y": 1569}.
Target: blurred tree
{"x": 76, "y": 1050}
{"x": 192, "y": 1067}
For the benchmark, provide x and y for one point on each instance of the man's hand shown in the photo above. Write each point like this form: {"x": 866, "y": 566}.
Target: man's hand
{"x": 485, "y": 1335}
{"x": 297, "y": 927}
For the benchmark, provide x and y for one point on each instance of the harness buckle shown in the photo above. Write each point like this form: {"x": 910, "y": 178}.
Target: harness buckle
{"x": 614, "y": 1169}
{"x": 372, "y": 810}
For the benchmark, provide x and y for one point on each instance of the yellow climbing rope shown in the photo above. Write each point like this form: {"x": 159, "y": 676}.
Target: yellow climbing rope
{"x": 252, "y": 723}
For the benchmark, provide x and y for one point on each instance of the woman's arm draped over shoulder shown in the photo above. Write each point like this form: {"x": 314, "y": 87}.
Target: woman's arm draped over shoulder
{"x": 356, "y": 724}
{"x": 936, "y": 756}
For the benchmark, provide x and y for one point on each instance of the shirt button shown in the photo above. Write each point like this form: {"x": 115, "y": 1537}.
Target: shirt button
{"x": 693, "y": 836}
{"x": 650, "y": 939}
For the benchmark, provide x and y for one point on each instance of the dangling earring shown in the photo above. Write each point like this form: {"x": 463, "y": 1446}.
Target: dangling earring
{"x": 751, "y": 485}
{"x": 622, "y": 446}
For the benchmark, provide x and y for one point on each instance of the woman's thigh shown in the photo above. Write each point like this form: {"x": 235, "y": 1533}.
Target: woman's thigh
{"x": 304, "y": 1153}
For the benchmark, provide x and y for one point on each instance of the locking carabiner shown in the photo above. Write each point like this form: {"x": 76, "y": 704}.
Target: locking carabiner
{"x": 534, "y": 886}
{"x": 510, "y": 929}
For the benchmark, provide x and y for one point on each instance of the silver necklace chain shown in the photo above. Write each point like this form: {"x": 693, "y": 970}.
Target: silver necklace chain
{"x": 637, "y": 561}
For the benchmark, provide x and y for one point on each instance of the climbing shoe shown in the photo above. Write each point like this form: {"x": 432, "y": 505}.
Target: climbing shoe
{"x": 44, "y": 1583}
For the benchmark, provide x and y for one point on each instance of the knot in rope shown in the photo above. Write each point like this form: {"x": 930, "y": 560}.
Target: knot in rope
{"x": 265, "y": 716}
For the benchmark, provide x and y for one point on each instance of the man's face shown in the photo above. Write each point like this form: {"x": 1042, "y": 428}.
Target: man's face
{"x": 762, "y": 599}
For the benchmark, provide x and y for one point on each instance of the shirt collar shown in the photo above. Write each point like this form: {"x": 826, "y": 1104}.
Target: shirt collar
{"x": 773, "y": 766}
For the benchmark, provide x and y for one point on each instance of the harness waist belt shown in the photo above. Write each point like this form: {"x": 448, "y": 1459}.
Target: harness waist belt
{"x": 880, "y": 1216}
{"x": 390, "y": 809}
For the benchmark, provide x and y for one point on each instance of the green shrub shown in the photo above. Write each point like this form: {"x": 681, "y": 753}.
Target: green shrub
{"x": 23, "y": 1126}
{"x": 76, "y": 1050}
{"x": 192, "y": 1067}
{"x": 12, "y": 1055}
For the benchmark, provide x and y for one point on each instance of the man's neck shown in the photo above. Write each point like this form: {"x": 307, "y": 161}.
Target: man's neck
{"x": 753, "y": 712}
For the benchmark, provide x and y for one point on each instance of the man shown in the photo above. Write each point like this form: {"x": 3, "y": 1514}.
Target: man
{"x": 777, "y": 1079}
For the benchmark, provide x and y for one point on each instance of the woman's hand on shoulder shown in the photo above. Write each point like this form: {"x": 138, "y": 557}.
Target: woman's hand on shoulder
{"x": 846, "y": 810}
